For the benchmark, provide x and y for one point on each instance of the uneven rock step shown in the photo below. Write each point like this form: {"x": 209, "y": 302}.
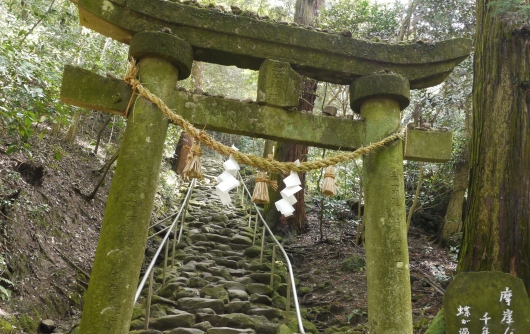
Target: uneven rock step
{"x": 218, "y": 284}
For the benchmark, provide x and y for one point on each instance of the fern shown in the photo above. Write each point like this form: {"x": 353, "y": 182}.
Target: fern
{"x": 5, "y": 294}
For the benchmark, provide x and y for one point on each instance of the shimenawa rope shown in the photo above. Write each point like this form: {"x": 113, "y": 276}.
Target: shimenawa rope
{"x": 252, "y": 160}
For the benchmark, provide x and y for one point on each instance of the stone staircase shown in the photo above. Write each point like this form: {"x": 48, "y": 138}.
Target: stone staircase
{"x": 218, "y": 284}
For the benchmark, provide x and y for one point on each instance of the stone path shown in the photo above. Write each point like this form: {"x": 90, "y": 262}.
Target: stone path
{"x": 218, "y": 285}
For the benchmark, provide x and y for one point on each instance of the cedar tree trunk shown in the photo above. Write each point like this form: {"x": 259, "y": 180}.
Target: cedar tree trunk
{"x": 496, "y": 231}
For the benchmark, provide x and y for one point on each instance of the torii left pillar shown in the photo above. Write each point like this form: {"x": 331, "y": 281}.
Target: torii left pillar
{"x": 163, "y": 59}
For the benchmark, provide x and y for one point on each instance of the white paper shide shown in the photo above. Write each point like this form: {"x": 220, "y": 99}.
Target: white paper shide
{"x": 227, "y": 180}
{"x": 292, "y": 186}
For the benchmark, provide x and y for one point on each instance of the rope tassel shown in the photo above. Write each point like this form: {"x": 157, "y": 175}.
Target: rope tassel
{"x": 329, "y": 188}
{"x": 261, "y": 189}
{"x": 193, "y": 167}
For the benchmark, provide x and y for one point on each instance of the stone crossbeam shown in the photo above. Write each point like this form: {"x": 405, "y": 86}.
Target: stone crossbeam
{"x": 228, "y": 39}
{"x": 86, "y": 89}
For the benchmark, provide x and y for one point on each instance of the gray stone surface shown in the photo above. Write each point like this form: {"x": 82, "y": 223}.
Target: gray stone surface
{"x": 487, "y": 299}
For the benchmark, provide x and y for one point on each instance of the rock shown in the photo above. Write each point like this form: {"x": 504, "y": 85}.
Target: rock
{"x": 240, "y": 294}
{"x": 137, "y": 325}
{"x": 217, "y": 292}
{"x": 185, "y": 331}
{"x": 227, "y": 263}
{"x": 204, "y": 326}
{"x": 186, "y": 293}
{"x": 265, "y": 278}
{"x": 234, "y": 286}
{"x": 47, "y": 326}
{"x": 228, "y": 330}
{"x": 308, "y": 326}
{"x": 197, "y": 282}
{"x": 193, "y": 304}
{"x": 219, "y": 218}
{"x": 145, "y": 331}
{"x": 260, "y": 299}
{"x": 161, "y": 300}
{"x": 238, "y": 307}
{"x": 265, "y": 327}
{"x": 261, "y": 289}
{"x": 269, "y": 313}
{"x": 281, "y": 289}
{"x": 205, "y": 317}
{"x": 235, "y": 320}
{"x": 283, "y": 329}
{"x": 216, "y": 238}
{"x": 172, "y": 321}
{"x": 241, "y": 240}
{"x": 279, "y": 302}
{"x": 346, "y": 33}
{"x": 170, "y": 290}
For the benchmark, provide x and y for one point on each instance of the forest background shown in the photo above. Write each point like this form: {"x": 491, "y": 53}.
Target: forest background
{"x": 40, "y": 37}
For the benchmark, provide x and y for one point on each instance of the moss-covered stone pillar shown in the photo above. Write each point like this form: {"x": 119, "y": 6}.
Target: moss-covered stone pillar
{"x": 380, "y": 98}
{"x": 109, "y": 300}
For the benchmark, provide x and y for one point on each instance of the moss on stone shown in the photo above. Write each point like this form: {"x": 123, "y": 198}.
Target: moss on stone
{"x": 283, "y": 329}
{"x": 245, "y": 42}
{"x": 120, "y": 250}
{"x": 437, "y": 325}
{"x": 278, "y": 85}
{"x": 223, "y": 115}
{"x": 309, "y": 327}
{"x": 387, "y": 261}
{"x": 429, "y": 146}
{"x": 390, "y": 86}
{"x": 163, "y": 46}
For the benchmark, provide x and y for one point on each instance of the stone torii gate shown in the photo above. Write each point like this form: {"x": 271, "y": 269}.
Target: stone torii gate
{"x": 380, "y": 77}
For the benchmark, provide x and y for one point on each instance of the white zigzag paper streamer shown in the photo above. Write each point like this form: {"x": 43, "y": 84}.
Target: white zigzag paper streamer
{"x": 292, "y": 186}
{"x": 227, "y": 180}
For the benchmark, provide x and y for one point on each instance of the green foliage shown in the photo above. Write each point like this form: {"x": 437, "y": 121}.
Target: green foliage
{"x": 516, "y": 9}
{"x": 362, "y": 17}
{"x": 38, "y": 38}
{"x": 5, "y": 284}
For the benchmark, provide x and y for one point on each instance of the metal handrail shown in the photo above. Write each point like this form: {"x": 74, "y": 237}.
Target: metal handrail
{"x": 289, "y": 267}
{"x": 162, "y": 244}
{"x": 163, "y": 220}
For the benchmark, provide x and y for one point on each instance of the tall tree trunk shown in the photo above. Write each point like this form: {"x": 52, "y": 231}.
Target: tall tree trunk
{"x": 268, "y": 148}
{"x": 453, "y": 216}
{"x": 305, "y": 14}
{"x": 185, "y": 141}
{"x": 496, "y": 231}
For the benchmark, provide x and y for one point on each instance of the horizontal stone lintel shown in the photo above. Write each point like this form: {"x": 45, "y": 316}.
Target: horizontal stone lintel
{"x": 227, "y": 39}
{"x": 86, "y": 89}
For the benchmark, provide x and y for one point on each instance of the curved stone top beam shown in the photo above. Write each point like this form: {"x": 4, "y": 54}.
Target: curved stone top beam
{"x": 227, "y": 39}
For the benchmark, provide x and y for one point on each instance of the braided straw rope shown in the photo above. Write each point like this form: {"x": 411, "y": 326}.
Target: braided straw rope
{"x": 252, "y": 160}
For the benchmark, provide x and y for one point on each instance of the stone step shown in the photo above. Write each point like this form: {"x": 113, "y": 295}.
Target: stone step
{"x": 218, "y": 284}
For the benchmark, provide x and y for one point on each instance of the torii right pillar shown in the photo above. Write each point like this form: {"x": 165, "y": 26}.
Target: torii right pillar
{"x": 379, "y": 98}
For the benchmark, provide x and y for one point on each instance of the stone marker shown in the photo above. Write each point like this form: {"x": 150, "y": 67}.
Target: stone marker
{"x": 278, "y": 84}
{"x": 486, "y": 302}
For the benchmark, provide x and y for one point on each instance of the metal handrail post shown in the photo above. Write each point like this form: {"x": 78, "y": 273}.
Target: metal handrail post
{"x": 148, "y": 302}
{"x": 272, "y": 262}
{"x": 255, "y": 230}
{"x": 262, "y": 245}
{"x": 288, "y": 300}
{"x": 165, "y": 263}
